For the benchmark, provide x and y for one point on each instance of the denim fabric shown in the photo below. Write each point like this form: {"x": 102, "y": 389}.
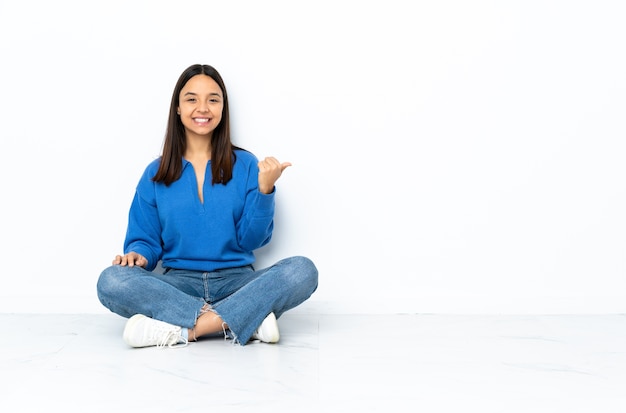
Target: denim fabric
{"x": 241, "y": 296}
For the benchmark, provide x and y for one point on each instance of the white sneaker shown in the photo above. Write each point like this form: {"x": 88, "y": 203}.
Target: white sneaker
{"x": 268, "y": 330}
{"x": 143, "y": 331}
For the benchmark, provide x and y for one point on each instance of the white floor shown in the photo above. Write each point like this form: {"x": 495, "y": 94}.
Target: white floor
{"x": 326, "y": 363}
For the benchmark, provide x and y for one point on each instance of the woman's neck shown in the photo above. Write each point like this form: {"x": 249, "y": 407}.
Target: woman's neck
{"x": 198, "y": 148}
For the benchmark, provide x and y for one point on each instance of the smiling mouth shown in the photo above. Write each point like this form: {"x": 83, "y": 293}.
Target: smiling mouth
{"x": 201, "y": 120}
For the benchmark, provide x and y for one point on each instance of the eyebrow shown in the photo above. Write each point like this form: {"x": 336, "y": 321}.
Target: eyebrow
{"x": 195, "y": 94}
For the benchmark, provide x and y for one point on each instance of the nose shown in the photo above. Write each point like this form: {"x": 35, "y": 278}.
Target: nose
{"x": 203, "y": 107}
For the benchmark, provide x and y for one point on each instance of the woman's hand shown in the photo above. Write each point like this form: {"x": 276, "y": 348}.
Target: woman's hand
{"x": 269, "y": 172}
{"x": 131, "y": 259}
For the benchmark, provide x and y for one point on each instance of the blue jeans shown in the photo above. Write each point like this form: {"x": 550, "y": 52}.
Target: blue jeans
{"x": 242, "y": 296}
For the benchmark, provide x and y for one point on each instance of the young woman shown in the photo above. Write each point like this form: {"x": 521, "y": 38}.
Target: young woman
{"x": 201, "y": 209}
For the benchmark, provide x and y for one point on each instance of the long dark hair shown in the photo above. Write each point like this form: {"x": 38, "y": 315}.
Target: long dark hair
{"x": 174, "y": 145}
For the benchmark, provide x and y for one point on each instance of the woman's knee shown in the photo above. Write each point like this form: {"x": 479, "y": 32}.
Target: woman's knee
{"x": 107, "y": 282}
{"x": 304, "y": 272}
{"x": 113, "y": 279}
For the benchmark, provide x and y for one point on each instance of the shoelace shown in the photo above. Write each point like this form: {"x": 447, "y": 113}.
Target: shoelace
{"x": 171, "y": 340}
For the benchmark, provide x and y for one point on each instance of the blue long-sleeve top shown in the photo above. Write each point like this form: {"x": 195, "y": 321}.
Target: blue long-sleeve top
{"x": 169, "y": 223}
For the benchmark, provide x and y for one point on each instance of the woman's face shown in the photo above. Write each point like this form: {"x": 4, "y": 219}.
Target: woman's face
{"x": 201, "y": 104}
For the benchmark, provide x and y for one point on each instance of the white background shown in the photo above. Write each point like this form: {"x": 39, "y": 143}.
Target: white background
{"x": 448, "y": 156}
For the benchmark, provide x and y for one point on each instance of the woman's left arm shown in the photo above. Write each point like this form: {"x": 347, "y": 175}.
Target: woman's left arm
{"x": 254, "y": 230}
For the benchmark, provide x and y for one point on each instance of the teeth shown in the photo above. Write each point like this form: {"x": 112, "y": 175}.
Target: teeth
{"x": 201, "y": 120}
